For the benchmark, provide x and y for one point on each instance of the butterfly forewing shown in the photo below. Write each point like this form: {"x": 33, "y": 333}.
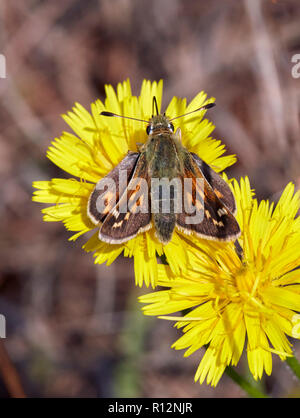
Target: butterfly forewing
{"x": 132, "y": 214}
{"x": 109, "y": 189}
{"x": 210, "y": 219}
{"x": 218, "y": 185}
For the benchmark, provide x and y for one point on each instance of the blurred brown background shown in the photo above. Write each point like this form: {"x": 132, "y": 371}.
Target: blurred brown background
{"x": 75, "y": 329}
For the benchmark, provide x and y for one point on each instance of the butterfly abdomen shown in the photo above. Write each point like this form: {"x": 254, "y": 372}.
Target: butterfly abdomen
{"x": 164, "y": 226}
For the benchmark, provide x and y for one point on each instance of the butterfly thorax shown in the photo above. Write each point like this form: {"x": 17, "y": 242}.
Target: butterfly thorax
{"x": 162, "y": 156}
{"x": 163, "y": 149}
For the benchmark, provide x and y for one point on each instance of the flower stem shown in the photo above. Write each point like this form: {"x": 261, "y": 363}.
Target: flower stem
{"x": 251, "y": 390}
{"x": 294, "y": 365}
{"x": 9, "y": 374}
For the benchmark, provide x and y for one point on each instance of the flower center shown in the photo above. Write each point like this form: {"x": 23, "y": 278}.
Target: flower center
{"x": 247, "y": 282}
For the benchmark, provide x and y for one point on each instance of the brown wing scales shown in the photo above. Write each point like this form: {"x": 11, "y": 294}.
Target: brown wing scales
{"x": 218, "y": 185}
{"x": 214, "y": 220}
{"x": 132, "y": 213}
{"x": 104, "y": 198}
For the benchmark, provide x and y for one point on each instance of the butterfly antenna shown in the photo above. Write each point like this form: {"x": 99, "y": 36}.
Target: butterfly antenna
{"x": 154, "y": 104}
{"x": 205, "y": 107}
{"x": 110, "y": 114}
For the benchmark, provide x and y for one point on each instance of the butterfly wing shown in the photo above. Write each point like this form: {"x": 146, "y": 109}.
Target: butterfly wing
{"x": 132, "y": 214}
{"x": 213, "y": 220}
{"x": 109, "y": 189}
{"x": 218, "y": 185}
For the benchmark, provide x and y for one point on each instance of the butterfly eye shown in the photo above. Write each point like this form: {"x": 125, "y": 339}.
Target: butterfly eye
{"x": 171, "y": 126}
{"x": 149, "y": 129}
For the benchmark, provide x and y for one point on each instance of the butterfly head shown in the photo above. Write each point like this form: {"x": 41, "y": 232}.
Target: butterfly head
{"x": 159, "y": 124}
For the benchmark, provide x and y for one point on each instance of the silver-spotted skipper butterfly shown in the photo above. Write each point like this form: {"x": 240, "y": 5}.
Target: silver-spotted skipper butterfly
{"x": 128, "y": 204}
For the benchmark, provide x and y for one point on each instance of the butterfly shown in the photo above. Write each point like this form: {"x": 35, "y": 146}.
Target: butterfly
{"x": 162, "y": 186}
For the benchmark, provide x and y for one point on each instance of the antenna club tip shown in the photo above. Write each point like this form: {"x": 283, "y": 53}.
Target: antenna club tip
{"x": 104, "y": 113}
{"x": 210, "y": 105}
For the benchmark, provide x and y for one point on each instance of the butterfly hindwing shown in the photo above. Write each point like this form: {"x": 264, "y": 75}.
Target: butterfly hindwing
{"x": 132, "y": 213}
{"x": 213, "y": 220}
{"x": 104, "y": 196}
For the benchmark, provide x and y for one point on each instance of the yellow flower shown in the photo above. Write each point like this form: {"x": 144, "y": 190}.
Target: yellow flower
{"x": 254, "y": 295}
{"x": 98, "y": 145}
